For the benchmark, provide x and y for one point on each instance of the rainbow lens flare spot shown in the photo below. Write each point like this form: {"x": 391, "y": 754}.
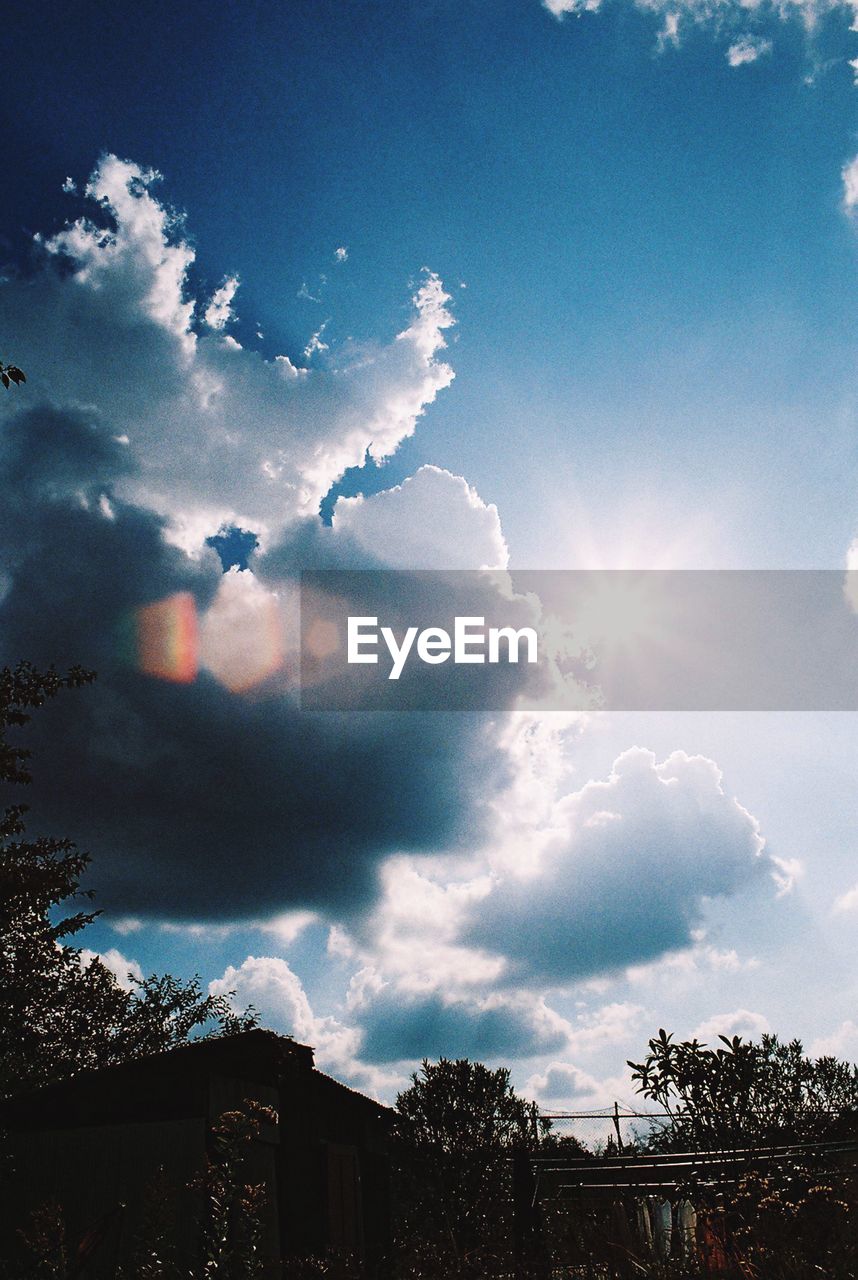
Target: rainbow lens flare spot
{"x": 167, "y": 638}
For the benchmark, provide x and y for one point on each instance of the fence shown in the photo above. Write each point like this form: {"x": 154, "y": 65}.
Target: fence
{"x": 618, "y": 1128}
{"x": 583, "y": 1208}
{"x": 614, "y": 1128}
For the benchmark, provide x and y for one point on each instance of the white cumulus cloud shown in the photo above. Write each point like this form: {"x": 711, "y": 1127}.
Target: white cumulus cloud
{"x": 668, "y": 828}
{"x": 740, "y": 1022}
{"x": 219, "y": 311}
{"x": 726, "y": 18}
{"x": 847, "y": 902}
{"x": 432, "y": 520}
{"x": 125, "y": 971}
{"x": 850, "y": 197}
{"x": 277, "y": 993}
{"x": 841, "y": 1043}
{"x": 216, "y": 431}
{"x": 747, "y": 49}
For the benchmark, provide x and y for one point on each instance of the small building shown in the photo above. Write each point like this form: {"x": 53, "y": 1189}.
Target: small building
{"x": 95, "y": 1143}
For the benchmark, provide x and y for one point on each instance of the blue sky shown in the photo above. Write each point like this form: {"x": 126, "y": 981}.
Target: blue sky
{"x": 652, "y": 245}
{"x": 626, "y": 271}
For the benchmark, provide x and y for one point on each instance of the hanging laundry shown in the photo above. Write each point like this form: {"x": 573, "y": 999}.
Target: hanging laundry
{"x": 644, "y": 1225}
{"x": 686, "y": 1220}
{"x": 663, "y": 1227}
{"x": 620, "y": 1230}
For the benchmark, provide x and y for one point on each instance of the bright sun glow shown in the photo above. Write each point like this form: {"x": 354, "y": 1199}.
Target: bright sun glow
{"x": 618, "y": 613}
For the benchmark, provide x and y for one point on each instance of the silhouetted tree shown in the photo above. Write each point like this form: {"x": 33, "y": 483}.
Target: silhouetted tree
{"x": 58, "y": 1014}
{"x": 457, "y": 1127}
{"x": 745, "y": 1092}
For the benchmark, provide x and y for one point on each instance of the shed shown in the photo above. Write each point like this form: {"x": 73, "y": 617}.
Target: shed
{"x": 95, "y": 1143}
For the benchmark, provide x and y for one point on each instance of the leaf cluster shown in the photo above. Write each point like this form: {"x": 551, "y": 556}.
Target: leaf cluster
{"x": 796, "y": 1227}
{"x": 231, "y": 1242}
{"x": 743, "y": 1093}
{"x": 10, "y": 373}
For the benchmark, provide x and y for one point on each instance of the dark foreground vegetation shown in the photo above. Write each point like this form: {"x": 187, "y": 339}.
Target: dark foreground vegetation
{"x": 472, "y": 1188}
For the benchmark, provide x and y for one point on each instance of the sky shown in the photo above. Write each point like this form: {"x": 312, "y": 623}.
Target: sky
{"x": 521, "y": 285}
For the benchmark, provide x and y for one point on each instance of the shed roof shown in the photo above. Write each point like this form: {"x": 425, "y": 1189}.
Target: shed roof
{"x": 171, "y": 1083}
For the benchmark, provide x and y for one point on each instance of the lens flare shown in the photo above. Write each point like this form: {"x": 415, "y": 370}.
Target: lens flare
{"x": 166, "y": 637}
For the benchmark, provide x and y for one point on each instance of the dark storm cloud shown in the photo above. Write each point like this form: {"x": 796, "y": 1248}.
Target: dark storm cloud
{"x": 194, "y": 801}
{"x": 397, "y": 1027}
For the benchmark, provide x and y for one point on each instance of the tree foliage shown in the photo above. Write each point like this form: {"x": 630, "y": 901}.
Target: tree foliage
{"x": 58, "y": 1014}
{"x": 801, "y": 1228}
{"x": 744, "y": 1092}
{"x": 457, "y": 1127}
{"x": 9, "y": 374}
